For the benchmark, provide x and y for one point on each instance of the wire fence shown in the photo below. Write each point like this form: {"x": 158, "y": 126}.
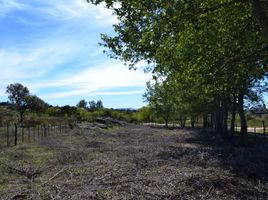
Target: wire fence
{"x": 255, "y": 130}
{"x": 12, "y": 134}
{"x": 259, "y": 131}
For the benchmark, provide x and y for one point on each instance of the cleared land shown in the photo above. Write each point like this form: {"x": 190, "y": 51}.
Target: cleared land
{"x": 135, "y": 162}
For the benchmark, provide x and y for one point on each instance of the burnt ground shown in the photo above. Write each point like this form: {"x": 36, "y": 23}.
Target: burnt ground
{"x": 135, "y": 162}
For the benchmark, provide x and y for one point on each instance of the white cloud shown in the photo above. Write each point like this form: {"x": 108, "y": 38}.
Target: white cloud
{"x": 65, "y": 10}
{"x": 69, "y": 50}
{"x": 33, "y": 61}
{"x": 119, "y": 93}
{"x": 93, "y": 80}
{"x": 7, "y": 6}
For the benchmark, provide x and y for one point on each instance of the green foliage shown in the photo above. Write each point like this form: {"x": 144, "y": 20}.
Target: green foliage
{"x": 35, "y": 104}
{"x": 99, "y": 105}
{"x": 82, "y": 104}
{"x": 19, "y": 96}
{"x": 145, "y": 114}
{"x": 92, "y": 105}
{"x": 209, "y": 51}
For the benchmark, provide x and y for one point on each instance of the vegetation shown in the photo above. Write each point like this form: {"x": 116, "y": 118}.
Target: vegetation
{"x": 19, "y": 95}
{"x": 212, "y": 54}
{"x": 209, "y": 59}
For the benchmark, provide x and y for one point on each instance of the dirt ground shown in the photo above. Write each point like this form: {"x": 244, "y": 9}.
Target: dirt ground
{"x": 135, "y": 162}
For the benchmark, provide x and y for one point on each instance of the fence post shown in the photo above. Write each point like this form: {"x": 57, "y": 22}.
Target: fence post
{"x": 8, "y": 135}
{"x": 22, "y": 134}
{"x": 255, "y": 132}
{"x": 16, "y": 134}
{"x": 38, "y": 133}
{"x": 45, "y": 131}
{"x": 33, "y": 128}
{"x": 29, "y": 133}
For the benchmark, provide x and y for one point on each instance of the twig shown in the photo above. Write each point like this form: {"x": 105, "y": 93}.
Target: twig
{"x": 209, "y": 190}
{"x": 54, "y": 176}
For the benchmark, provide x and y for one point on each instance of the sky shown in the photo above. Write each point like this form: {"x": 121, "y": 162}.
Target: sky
{"x": 52, "y": 48}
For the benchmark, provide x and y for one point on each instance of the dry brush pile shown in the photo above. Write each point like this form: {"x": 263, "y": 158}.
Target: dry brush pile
{"x": 135, "y": 162}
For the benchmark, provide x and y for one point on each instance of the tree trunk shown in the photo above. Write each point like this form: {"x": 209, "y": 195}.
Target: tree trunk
{"x": 182, "y": 121}
{"x": 193, "y": 121}
{"x": 242, "y": 116}
{"x": 166, "y": 122}
{"x": 225, "y": 120}
{"x": 232, "y": 130}
{"x": 219, "y": 124}
{"x": 212, "y": 121}
{"x": 21, "y": 116}
{"x": 205, "y": 121}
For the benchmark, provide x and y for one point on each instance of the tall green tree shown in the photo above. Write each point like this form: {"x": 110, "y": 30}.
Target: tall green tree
{"x": 218, "y": 48}
{"x": 82, "y": 104}
{"x": 99, "y": 105}
{"x": 19, "y": 95}
{"x": 160, "y": 95}
{"x": 36, "y": 104}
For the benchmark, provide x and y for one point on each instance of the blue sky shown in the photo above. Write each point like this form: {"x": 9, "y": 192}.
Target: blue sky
{"x": 52, "y": 48}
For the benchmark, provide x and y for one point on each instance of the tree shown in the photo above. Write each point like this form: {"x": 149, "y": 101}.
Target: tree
{"x": 68, "y": 110}
{"x": 92, "y": 105}
{"x": 99, "y": 105}
{"x": 217, "y": 48}
{"x": 18, "y": 95}
{"x": 82, "y": 104}
{"x": 160, "y": 95}
{"x": 36, "y": 104}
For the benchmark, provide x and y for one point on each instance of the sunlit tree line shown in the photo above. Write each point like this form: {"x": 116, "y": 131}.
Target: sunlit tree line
{"x": 207, "y": 56}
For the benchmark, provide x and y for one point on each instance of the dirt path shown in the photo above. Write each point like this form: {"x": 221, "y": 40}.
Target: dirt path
{"x": 135, "y": 162}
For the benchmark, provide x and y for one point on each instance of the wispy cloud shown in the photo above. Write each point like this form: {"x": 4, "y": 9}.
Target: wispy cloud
{"x": 94, "y": 79}
{"x": 7, "y": 6}
{"x": 57, "y": 54}
{"x": 60, "y": 10}
{"x": 33, "y": 61}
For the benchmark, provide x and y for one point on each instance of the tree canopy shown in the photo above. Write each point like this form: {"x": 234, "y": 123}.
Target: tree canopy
{"x": 214, "y": 51}
{"x": 18, "y": 95}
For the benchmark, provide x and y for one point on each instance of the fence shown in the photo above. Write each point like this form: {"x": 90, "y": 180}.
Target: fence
{"x": 12, "y": 134}
{"x": 254, "y": 130}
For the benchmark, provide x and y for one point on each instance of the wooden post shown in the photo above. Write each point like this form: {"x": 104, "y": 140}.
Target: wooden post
{"x": 16, "y": 134}
{"x": 22, "y": 134}
{"x": 29, "y": 132}
{"x": 38, "y": 133}
{"x": 8, "y": 135}
{"x": 34, "y": 128}
{"x": 45, "y": 131}
{"x": 42, "y": 131}
{"x": 255, "y": 131}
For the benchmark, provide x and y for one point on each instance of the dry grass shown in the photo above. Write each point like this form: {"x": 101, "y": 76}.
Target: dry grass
{"x": 135, "y": 162}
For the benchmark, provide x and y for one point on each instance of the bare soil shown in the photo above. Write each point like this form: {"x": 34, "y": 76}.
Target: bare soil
{"x": 135, "y": 162}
